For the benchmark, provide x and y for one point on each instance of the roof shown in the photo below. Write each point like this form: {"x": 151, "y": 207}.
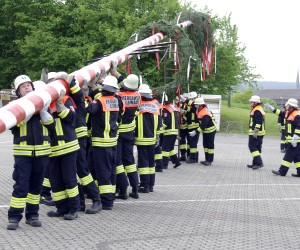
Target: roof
{"x": 279, "y": 93}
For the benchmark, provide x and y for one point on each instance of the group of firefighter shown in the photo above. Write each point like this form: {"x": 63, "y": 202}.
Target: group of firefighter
{"x": 82, "y": 145}
{"x": 289, "y": 125}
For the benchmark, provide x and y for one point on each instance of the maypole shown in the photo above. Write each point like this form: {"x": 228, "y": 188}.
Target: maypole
{"x": 18, "y": 110}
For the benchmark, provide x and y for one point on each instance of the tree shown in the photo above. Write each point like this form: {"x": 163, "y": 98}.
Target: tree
{"x": 65, "y": 35}
{"x": 232, "y": 67}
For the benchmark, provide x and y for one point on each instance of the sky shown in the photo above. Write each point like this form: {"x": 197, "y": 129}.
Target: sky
{"x": 268, "y": 29}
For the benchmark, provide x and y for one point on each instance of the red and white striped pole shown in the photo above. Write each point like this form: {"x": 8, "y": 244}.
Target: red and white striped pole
{"x": 16, "y": 111}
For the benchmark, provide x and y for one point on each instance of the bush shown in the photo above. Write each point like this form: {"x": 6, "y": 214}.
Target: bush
{"x": 242, "y": 97}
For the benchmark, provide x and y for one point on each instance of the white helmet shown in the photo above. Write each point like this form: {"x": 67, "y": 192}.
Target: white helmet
{"x": 145, "y": 90}
{"x": 193, "y": 95}
{"x": 166, "y": 98}
{"x": 292, "y": 102}
{"x": 199, "y": 101}
{"x": 21, "y": 79}
{"x": 39, "y": 84}
{"x": 110, "y": 84}
{"x": 255, "y": 98}
{"x": 131, "y": 82}
{"x": 51, "y": 75}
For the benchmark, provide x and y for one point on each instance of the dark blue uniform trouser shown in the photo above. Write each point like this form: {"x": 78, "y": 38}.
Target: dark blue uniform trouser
{"x": 292, "y": 154}
{"x": 62, "y": 173}
{"x": 28, "y": 175}
{"x": 46, "y": 189}
{"x": 105, "y": 168}
{"x": 125, "y": 161}
{"x": 283, "y": 143}
{"x": 158, "y": 157}
{"x": 193, "y": 144}
{"x": 184, "y": 147}
{"x": 168, "y": 150}
{"x": 209, "y": 146}
{"x": 83, "y": 172}
{"x": 146, "y": 165}
{"x": 255, "y": 146}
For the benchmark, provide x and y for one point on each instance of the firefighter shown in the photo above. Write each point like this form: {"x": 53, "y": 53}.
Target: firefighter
{"x": 256, "y": 132}
{"x": 192, "y": 124}
{"x": 46, "y": 197}
{"x": 106, "y": 114}
{"x": 148, "y": 128}
{"x": 31, "y": 151}
{"x": 87, "y": 183}
{"x": 280, "y": 125}
{"x": 64, "y": 148}
{"x": 126, "y": 167}
{"x": 208, "y": 128}
{"x": 292, "y": 127}
{"x": 157, "y": 150}
{"x": 183, "y": 132}
{"x": 281, "y": 128}
{"x": 170, "y": 121}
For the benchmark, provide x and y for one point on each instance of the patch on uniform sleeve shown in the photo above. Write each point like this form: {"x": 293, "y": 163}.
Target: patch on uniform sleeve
{"x": 165, "y": 114}
{"x": 94, "y": 101}
{"x": 72, "y": 108}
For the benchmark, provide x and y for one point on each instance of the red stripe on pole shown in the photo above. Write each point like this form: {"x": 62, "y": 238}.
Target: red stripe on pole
{"x": 17, "y": 111}
{"x": 2, "y": 126}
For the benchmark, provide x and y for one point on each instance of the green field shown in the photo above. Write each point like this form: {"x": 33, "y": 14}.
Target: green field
{"x": 236, "y": 119}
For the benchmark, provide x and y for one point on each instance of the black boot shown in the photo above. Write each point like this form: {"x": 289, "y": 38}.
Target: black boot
{"x": 134, "y": 194}
{"x": 47, "y": 200}
{"x": 144, "y": 189}
{"x": 34, "y": 222}
{"x": 96, "y": 207}
{"x": 13, "y": 224}
{"x": 122, "y": 193}
{"x": 71, "y": 216}
{"x": 55, "y": 214}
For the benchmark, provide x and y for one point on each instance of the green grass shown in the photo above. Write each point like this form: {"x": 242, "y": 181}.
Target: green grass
{"x": 238, "y": 115}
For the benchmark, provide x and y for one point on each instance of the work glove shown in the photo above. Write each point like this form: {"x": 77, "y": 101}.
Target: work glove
{"x": 114, "y": 65}
{"x": 255, "y": 132}
{"x": 157, "y": 141}
{"x": 182, "y": 98}
{"x": 59, "y": 104}
{"x": 45, "y": 116}
{"x": 294, "y": 140}
{"x": 279, "y": 126}
{"x": 269, "y": 107}
{"x": 44, "y": 75}
{"x": 192, "y": 133}
{"x": 85, "y": 89}
{"x": 64, "y": 75}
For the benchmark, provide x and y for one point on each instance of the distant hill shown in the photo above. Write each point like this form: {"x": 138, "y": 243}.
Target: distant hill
{"x": 269, "y": 85}
{"x": 276, "y": 85}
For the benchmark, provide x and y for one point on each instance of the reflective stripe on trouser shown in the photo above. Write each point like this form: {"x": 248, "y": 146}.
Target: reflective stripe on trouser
{"x": 283, "y": 142}
{"x": 83, "y": 172}
{"x": 146, "y": 165}
{"x": 193, "y": 143}
{"x": 255, "y": 146}
{"x": 62, "y": 173}
{"x": 28, "y": 175}
{"x": 183, "y": 133}
{"x": 292, "y": 154}
{"x": 158, "y": 157}
{"x": 125, "y": 157}
{"x": 209, "y": 146}
{"x": 104, "y": 162}
{"x": 168, "y": 150}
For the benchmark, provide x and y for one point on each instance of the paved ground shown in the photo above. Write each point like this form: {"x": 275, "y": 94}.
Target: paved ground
{"x": 224, "y": 206}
